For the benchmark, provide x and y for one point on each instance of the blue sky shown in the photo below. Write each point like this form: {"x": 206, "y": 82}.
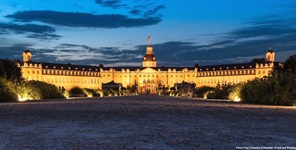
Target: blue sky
{"x": 114, "y": 32}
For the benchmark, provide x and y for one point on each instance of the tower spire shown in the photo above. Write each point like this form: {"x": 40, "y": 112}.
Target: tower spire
{"x": 149, "y": 59}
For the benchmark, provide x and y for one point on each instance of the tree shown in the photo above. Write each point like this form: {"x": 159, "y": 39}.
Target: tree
{"x": 9, "y": 70}
{"x": 290, "y": 64}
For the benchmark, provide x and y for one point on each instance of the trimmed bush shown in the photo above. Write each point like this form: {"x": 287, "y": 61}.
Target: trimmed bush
{"x": 202, "y": 90}
{"x": 47, "y": 91}
{"x": 76, "y": 90}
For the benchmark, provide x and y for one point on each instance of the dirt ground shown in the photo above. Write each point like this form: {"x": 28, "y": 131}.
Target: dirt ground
{"x": 144, "y": 122}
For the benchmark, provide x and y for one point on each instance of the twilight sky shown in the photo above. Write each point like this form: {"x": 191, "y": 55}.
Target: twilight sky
{"x": 114, "y": 32}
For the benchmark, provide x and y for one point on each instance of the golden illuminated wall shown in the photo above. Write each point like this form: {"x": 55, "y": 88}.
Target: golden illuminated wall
{"x": 148, "y": 76}
{"x": 62, "y": 78}
{"x": 232, "y": 76}
{"x": 68, "y": 78}
{"x": 149, "y": 63}
{"x": 270, "y": 56}
{"x": 27, "y": 56}
{"x": 263, "y": 70}
{"x": 32, "y": 71}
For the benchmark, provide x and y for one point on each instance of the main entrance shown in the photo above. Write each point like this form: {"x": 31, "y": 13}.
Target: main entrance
{"x": 148, "y": 89}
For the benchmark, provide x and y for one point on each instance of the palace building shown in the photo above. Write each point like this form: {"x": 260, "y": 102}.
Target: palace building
{"x": 145, "y": 77}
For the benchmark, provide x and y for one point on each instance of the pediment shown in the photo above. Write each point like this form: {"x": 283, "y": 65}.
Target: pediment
{"x": 148, "y": 70}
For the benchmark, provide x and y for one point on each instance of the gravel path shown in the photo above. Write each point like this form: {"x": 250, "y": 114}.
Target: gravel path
{"x": 144, "y": 122}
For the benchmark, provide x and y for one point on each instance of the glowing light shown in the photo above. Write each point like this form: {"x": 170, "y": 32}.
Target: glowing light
{"x": 237, "y": 99}
{"x": 89, "y": 95}
{"x": 21, "y": 99}
{"x": 205, "y": 96}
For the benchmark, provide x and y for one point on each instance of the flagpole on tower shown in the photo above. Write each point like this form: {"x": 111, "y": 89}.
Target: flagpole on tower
{"x": 148, "y": 39}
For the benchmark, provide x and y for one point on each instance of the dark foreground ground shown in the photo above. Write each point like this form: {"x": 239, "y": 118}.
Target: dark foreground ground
{"x": 144, "y": 122}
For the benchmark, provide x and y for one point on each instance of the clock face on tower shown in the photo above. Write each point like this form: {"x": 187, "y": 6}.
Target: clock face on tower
{"x": 144, "y": 58}
{"x": 153, "y": 58}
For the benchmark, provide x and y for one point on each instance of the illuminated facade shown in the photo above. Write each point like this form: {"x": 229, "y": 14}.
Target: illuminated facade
{"x": 149, "y": 77}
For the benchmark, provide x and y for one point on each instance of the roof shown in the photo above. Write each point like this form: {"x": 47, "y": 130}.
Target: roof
{"x": 66, "y": 66}
{"x": 27, "y": 51}
{"x": 270, "y": 51}
{"x": 227, "y": 67}
{"x": 70, "y": 67}
{"x": 163, "y": 68}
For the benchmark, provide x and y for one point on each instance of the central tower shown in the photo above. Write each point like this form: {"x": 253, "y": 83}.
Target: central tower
{"x": 149, "y": 59}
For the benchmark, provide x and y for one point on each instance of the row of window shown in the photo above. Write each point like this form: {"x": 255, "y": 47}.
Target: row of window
{"x": 33, "y": 72}
{"x": 64, "y": 80}
{"x": 182, "y": 75}
{"x": 216, "y": 81}
{"x": 146, "y": 75}
{"x": 75, "y": 73}
{"x": 218, "y": 73}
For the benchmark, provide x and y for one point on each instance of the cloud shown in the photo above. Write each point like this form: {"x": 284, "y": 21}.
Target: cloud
{"x": 76, "y": 19}
{"x": 237, "y": 46}
{"x": 270, "y": 26}
{"x": 33, "y": 30}
{"x": 14, "y": 51}
{"x": 44, "y": 36}
{"x": 154, "y": 11}
{"x": 142, "y": 8}
{"x": 135, "y": 11}
{"x": 27, "y": 28}
{"x": 115, "y": 4}
{"x": 122, "y": 64}
{"x": 85, "y": 55}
